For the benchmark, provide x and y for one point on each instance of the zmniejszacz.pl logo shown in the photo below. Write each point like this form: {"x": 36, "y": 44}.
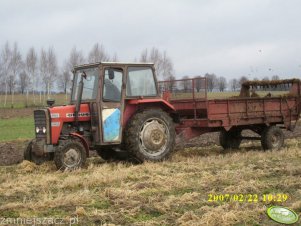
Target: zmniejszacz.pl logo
{"x": 282, "y": 215}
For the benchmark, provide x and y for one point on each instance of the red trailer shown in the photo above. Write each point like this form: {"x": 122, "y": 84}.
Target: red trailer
{"x": 265, "y": 115}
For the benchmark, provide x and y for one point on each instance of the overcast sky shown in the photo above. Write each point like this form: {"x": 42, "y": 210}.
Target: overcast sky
{"x": 230, "y": 38}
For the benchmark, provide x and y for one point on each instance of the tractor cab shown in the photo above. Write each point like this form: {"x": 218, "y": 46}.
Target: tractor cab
{"x": 114, "y": 108}
{"x": 106, "y": 88}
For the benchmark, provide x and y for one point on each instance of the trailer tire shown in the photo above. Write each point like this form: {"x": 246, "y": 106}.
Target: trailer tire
{"x": 69, "y": 155}
{"x": 230, "y": 139}
{"x": 150, "y": 135}
{"x": 272, "y": 138}
{"x": 29, "y": 155}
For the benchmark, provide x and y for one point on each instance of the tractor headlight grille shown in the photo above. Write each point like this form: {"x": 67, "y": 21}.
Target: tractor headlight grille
{"x": 41, "y": 121}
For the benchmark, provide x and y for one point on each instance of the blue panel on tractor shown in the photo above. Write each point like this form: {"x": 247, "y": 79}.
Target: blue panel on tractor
{"x": 111, "y": 124}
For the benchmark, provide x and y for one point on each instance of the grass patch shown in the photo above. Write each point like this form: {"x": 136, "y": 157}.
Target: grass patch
{"x": 174, "y": 192}
{"x": 16, "y": 128}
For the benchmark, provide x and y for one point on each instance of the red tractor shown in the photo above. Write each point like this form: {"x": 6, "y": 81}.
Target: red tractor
{"x": 117, "y": 110}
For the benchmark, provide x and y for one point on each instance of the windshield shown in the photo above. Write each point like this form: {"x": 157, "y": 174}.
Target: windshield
{"x": 90, "y": 84}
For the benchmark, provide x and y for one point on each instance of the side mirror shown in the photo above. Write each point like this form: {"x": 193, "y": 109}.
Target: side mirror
{"x": 111, "y": 74}
{"x": 50, "y": 102}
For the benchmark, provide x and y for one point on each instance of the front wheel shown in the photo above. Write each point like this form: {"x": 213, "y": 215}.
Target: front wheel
{"x": 150, "y": 135}
{"x": 272, "y": 138}
{"x": 70, "y": 155}
{"x": 31, "y": 150}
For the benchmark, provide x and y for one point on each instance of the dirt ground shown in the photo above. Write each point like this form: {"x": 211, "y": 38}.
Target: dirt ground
{"x": 14, "y": 112}
{"x": 12, "y": 152}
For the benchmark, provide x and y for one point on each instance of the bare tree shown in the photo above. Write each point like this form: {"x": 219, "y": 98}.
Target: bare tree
{"x": 16, "y": 67}
{"x": 242, "y": 79}
{"x": 65, "y": 78}
{"x": 186, "y": 83}
{"x": 275, "y": 77}
{"x": 24, "y": 81}
{"x": 52, "y": 68}
{"x": 198, "y": 83}
{"x": 211, "y": 81}
{"x": 5, "y": 62}
{"x": 163, "y": 64}
{"x": 44, "y": 68}
{"x": 166, "y": 66}
{"x": 154, "y": 56}
{"x": 98, "y": 54}
{"x": 144, "y": 56}
{"x": 221, "y": 83}
{"x": 31, "y": 68}
{"x": 75, "y": 58}
{"x": 265, "y": 78}
{"x": 48, "y": 68}
{"x": 115, "y": 58}
{"x": 171, "y": 83}
{"x": 234, "y": 84}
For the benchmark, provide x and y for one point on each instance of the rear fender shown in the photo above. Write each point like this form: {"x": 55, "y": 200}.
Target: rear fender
{"x": 133, "y": 106}
{"x": 166, "y": 105}
{"x": 83, "y": 140}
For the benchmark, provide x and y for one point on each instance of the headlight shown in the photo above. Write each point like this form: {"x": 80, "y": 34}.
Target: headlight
{"x": 44, "y": 130}
{"x": 37, "y": 129}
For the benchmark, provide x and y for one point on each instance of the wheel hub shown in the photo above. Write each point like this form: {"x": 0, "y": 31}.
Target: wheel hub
{"x": 275, "y": 138}
{"x": 71, "y": 157}
{"x": 153, "y": 136}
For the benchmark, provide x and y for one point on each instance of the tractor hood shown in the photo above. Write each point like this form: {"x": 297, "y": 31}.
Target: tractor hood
{"x": 65, "y": 114}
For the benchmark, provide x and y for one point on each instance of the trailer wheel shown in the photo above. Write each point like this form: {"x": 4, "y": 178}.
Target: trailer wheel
{"x": 29, "y": 155}
{"x": 230, "y": 139}
{"x": 150, "y": 135}
{"x": 272, "y": 138}
{"x": 70, "y": 154}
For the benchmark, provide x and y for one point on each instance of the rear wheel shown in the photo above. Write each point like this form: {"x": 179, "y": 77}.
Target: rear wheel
{"x": 150, "y": 135}
{"x": 230, "y": 139}
{"x": 272, "y": 138}
{"x": 70, "y": 154}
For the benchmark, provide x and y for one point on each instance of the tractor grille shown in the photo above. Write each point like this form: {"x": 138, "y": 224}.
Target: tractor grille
{"x": 41, "y": 123}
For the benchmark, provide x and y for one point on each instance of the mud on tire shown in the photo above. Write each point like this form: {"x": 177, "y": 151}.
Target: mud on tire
{"x": 150, "y": 135}
{"x": 230, "y": 139}
{"x": 272, "y": 138}
{"x": 29, "y": 155}
{"x": 69, "y": 155}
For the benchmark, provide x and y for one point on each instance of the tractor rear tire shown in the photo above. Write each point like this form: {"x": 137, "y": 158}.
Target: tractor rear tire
{"x": 272, "y": 138}
{"x": 29, "y": 155}
{"x": 69, "y": 155}
{"x": 230, "y": 139}
{"x": 150, "y": 135}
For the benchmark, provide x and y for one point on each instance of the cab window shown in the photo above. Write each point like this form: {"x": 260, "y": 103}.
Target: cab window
{"x": 112, "y": 86}
{"x": 140, "y": 82}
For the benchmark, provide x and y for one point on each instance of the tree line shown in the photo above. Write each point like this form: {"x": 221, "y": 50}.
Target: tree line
{"x": 220, "y": 83}
{"x": 40, "y": 72}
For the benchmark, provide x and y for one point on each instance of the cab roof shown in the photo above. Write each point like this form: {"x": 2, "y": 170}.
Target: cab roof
{"x": 112, "y": 64}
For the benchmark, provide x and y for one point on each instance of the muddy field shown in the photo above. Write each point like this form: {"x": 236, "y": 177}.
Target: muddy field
{"x": 12, "y": 152}
{"x": 14, "y": 113}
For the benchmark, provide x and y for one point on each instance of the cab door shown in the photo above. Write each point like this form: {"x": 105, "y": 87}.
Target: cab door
{"x": 112, "y": 104}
